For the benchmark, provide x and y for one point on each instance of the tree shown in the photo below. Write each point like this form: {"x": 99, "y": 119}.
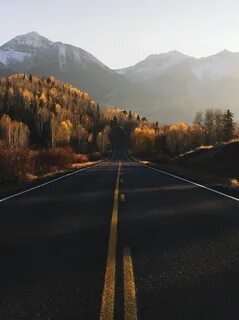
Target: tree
{"x": 218, "y": 117}
{"x": 143, "y": 138}
{"x": 13, "y": 133}
{"x": 209, "y": 126}
{"x": 228, "y": 125}
{"x": 177, "y": 137}
{"x": 130, "y": 115}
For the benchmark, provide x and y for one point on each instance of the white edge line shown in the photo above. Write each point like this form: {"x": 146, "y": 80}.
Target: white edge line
{"x": 48, "y": 182}
{"x": 189, "y": 181}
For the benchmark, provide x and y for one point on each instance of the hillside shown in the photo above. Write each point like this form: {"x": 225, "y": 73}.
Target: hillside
{"x": 215, "y": 166}
{"x": 53, "y": 113}
{"x": 220, "y": 160}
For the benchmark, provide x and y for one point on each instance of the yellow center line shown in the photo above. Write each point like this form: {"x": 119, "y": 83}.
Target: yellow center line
{"x": 108, "y": 298}
{"x": 122, "y": 197}
{"x": 130, "y": 304}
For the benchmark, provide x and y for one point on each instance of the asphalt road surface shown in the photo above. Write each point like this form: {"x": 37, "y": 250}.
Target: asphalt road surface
{"x": 119, "y": 241}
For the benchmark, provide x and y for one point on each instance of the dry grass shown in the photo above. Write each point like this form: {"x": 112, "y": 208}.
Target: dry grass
{"x": 234, "y": 183}
{"x": 205, "y": 147}
{"x": 77, "y": 166}
{"x": 30, "y": 177}
{"x": 144, "y": 162}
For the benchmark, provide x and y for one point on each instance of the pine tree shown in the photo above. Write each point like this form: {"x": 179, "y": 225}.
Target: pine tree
{"x": 156, "y": 127}
{"x": 130, "y": 115}
{"x": 228, "y": 125}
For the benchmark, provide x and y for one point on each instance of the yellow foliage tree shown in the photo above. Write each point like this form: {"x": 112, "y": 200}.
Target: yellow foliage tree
{"x": 63, "y": 133}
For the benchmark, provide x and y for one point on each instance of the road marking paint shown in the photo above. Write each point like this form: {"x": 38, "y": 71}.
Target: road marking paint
{"x": 130, "y": 304}
{"x": 122, "y": 197}
{"x": 192, "y": 182}
{"x": 108, "y": 297}
{"x": 46, "y": 183}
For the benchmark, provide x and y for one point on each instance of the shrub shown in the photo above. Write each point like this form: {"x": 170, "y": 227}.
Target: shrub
{"x": 95, "y": 156}
{"x": 50, "y": 160}
{"x": 14, "y": 164}
{"x": 80, "y": 158}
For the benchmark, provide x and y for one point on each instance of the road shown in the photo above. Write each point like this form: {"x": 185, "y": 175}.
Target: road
{"x": 119, "y": 241}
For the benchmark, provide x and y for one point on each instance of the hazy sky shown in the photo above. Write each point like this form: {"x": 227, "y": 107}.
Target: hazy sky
{"x": 122, "y": 32}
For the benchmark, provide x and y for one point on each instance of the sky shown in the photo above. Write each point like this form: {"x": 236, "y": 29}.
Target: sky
{"x": 122, "y": 32}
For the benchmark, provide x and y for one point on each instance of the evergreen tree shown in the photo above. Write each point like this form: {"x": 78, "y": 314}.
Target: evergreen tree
{"x": 98, "y": 112}
{"x": 130, "y": 115}
{"x": 228, "y": 125}
{"x": 156, "y": 127}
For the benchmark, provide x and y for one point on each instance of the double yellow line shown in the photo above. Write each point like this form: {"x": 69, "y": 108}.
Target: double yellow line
{"x": 108, "y": 298}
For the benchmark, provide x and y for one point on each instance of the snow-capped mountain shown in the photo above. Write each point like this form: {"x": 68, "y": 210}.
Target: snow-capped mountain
{"x": 223, "y": 64}
{"x": 22, "y": 48}
{"x": 32, "y": 45}
{"x": 153, "y": 66}
{"x": 30, "y": 42}
{"x": 184, "y": 84}
{"x": 33, "y": 53}
{"x": 167, "y": 87}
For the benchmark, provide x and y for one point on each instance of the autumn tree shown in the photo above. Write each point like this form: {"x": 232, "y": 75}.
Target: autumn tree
{"x": 47, "y": 107}
{"x": 13, "y": 133}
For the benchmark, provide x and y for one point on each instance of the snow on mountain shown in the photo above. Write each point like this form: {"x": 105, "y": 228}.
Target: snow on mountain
{"x": 216, "y": 67}
{"x": 6, "y": 57}
{"x": 154, "y": 65}
{"x": 83, "y": 58}
{"x": 22, "y": 47}
{"x": 61, "y": 54}
{"x": 30, "y": 42}
{"x": 224, "y": 64}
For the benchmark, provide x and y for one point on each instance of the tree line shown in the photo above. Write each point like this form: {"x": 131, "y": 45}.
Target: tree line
{"x": 45, "y": 112}
{"x": 208, "y": 128}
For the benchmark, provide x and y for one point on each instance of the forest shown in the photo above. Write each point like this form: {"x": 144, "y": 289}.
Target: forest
{"x": 214, "y": 126}
{"x": 44, "y": 124}
{"x": 48, "y": 125}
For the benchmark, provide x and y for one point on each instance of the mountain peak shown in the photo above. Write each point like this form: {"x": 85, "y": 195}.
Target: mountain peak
{"x": 33, "y": 33}
{"x": 173, "y": 53}
{"x": 224, "y": 53}
{"x": 29, "y": 42}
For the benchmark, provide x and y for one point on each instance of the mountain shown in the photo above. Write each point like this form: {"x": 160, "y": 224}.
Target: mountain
{"x": 153, "y": 66}
{"x": 167, "y": 87}
{"x": 32, "y": 53}
{"x": 184, "y": 84}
